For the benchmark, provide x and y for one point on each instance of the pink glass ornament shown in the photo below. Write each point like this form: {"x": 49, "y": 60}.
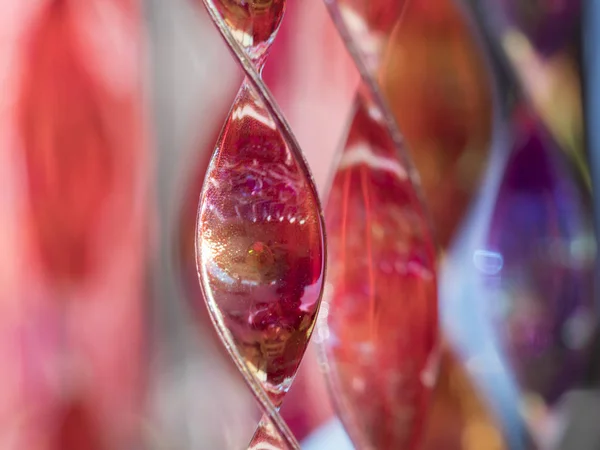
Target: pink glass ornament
{"x": 381, "y": 330}
{"x": 260, "y": 235}
{"x": 84, "y": 230}
{"x": 69, "y": 159}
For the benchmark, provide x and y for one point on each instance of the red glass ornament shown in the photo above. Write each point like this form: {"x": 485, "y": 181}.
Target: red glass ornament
{"x": 256, "y": 21}
{"x": 381, "y": 337}
{"x": 260, "y": 236}
{"x": 260, "y": 244}
{"x": 382, "y": 329}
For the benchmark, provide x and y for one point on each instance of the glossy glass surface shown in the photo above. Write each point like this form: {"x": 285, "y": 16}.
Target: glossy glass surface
{"x": 260, "y": 234}
{"x": 435, "y": 79}
{"x": 260, "y": 244}
{"x": 382, "y": 329}
{"x": 254, "y": 23}
{"x": 520, "y": 288}
{"x": 541, "y": 245}
{"x": 267, "y": 438}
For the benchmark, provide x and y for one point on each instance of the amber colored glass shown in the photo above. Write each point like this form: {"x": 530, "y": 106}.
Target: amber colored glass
{"x": 436, "y": 82}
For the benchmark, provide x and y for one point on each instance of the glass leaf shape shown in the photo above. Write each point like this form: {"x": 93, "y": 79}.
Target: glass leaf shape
{"x": 541, "y": 231}
{"x": 260, "y": 244}
{"x": 382, "y": 319}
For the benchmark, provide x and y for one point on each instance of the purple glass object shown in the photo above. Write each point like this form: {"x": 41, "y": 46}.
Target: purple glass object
{"x": 542, "y": 229}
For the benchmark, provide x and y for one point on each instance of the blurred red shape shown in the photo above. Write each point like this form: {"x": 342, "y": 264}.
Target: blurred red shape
{"x": 382, "y": 333}
{"x": 81, "y": 143}
{"x": 70, "y": 154}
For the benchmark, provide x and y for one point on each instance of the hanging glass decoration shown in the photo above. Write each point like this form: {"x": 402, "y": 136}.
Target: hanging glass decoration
{"x": 519, "y": 285}
{"x": 380, "y": 328}
{"x": 260, "y": 235}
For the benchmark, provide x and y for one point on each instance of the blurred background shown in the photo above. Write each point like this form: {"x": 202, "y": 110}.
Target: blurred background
{"x": 110, "y": 111}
